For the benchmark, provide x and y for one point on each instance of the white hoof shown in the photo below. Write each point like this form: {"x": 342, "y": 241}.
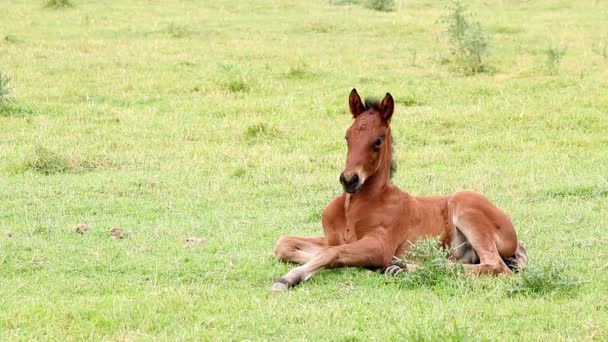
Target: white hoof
{"x": 279, "y": 287}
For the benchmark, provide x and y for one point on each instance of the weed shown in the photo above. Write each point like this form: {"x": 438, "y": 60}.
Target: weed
{"x": 433, "y": 267}
{"x": 544, "y": 279}
{"x": 381, "y": 5}
{"x": 178, "y": 31}
{"x": 14, "y": 109}
{"x": 409, "y": 101}
{"x": 322, "y": 28}
{"x": 554, "y": 56}
{"x": 239, "y": 172}
{"x": 9, "y": 38}
{"x": 412, "y": 56}
{"x": 507, "y": 30}
{"x": 59, "y": 4}
{"x": 378, "y": 5}
{"x": 345, "y": 2}
{"x": 261, "y": 131}
{"x": 602, "y": 51}
{"x": 234, "y": 79}
{"x": 237, "y": 85}
{"x": 314, "y": 214}
{"x": 299, "y": 71}
{"x": 580, "y": 192}
{"x": 469, "y": 43}
{"x": 48, "y": 161}
{"x": 437, "y": 332}
{"x": 5, "y": 89}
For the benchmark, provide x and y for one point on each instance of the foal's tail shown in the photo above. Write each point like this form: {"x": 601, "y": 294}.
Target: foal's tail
{"x": 519, "y": 260}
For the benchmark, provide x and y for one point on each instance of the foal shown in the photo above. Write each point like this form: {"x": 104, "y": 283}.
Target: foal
{"x": 373, "y": 221}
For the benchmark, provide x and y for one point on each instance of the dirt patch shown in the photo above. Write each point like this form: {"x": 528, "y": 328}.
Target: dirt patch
{"x": 117, "y": 233}
{"x": 195, "y": 240}
{"x": 82, "y": 228}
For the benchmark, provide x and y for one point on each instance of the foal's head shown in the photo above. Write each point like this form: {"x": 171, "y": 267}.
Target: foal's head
{"x": 369, "y": 140}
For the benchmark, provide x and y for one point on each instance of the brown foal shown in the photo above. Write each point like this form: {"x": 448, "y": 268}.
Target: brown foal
{"x": 373, "y": 221}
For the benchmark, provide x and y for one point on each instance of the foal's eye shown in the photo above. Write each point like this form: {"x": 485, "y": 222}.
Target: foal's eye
{"x": 377, "y": 143}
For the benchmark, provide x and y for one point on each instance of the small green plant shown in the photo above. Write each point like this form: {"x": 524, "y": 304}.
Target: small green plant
{"x": 15, "y": 109}
{"x": 438, "y": 332}
{"x": 178, "y": 31}
{"x": 261, "y": 131}
{"x": 59, "y": 4}
{"x": 5, "y": 90}
{"x": 9, "y": 38}
{"x": 233, "y": 78}
{"x": 507, "y": 30}
{"x": 469, "y": 43}
{"x": 381, "y": 5}
{"x": 345, "y": 2}
{"x": 409, "y": 101}
{"x": 554, "y": 56}
{"x": 239, "y": 172}
{"x": 48, "y": 161}
{"x": 602, "y": 51}
{"x": 314, "y": 214}
{"x": 237, "y": 85}
{"x": 299, "y": 71}
{"x": 322, "y": 28}
{"x": 413, "y": 54}
{"x": 433, "y": 268}
{"x": 545, "y": 279}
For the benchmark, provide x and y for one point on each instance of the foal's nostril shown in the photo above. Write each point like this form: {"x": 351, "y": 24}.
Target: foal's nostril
{"x": 351, "y": 182}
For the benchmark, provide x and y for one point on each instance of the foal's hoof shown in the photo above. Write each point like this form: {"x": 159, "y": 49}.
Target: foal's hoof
{"x": 281, "y": 285}
{"x": 394, "y": 268}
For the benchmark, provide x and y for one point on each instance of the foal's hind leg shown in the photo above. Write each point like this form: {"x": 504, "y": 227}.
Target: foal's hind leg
{"x": 298, "y": 250}
{"x": 488, "y": 230}
{"x": 478, "y": 231}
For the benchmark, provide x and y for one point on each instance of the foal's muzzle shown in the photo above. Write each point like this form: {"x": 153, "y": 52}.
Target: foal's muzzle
{"x": 351, "y": 183}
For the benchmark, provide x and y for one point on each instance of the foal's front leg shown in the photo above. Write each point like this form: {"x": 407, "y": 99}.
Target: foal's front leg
{"x": 369, "y": 252}
{"x": 298, "y": 250}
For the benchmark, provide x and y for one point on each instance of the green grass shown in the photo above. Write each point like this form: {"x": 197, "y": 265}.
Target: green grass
{"x": 545, "y": 279}
{"x": 229, "y": 127}
{"x": 5, "y": 89}
{"x": 433, "y": 268}
{"x": 59, "y": 4}
{"x": 381, "y": 5}
{"x": 178, "y": 31}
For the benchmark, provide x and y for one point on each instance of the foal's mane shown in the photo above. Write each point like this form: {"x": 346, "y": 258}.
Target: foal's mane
{"x": 373, "y": 103}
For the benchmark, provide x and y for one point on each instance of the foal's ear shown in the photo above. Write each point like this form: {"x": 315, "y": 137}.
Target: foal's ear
{"x": 387, "y": 106}
{"x": 355, "y": 104}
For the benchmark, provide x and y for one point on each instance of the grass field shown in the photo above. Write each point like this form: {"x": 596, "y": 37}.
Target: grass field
{"x": 225, "y": 120}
